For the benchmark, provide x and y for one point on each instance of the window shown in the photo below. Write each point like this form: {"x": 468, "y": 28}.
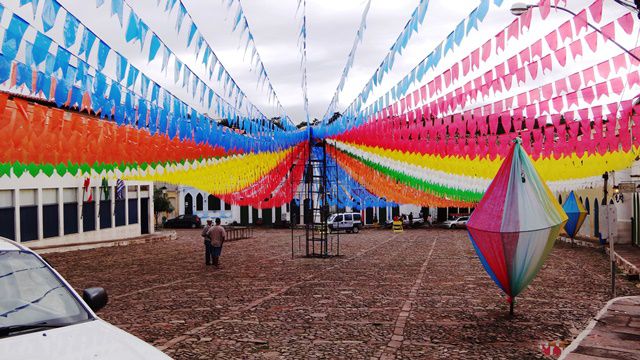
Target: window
{"x": 199, "y": 201}
{"x": 227, "y": 206}
{"x": 348, "y": 217}
{"x": 338, "y": 218}
{"x": 213, "y": 203}
{"x": 357, "y": 217}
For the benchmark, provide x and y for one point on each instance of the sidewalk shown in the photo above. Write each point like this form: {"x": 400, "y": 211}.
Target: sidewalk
{"x": 613, "y": 334}
{"x": 157, "y": 236}
{"x": 628, "y": 259}
{"x": 627, "y": 255}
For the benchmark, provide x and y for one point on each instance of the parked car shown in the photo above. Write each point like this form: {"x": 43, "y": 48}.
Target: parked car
{"x": 184, "y": 221}
{"x": 458, "y": 222}
{"x": 42, "y": 317}
{"x": 349, "y": 222}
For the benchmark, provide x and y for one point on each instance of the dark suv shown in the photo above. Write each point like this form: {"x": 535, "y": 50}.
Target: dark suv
{"x": 184, "y": 221}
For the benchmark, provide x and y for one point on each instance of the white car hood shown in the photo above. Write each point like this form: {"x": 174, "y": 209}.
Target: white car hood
{"x": 95, "y": 339}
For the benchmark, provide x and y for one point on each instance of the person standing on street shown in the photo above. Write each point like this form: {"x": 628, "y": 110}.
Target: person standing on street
{"x": 217, "y": 234}
{"x": 208, "y": 249}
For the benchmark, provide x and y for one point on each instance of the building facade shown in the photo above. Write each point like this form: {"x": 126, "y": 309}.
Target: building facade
{"x": 60, "y": 210}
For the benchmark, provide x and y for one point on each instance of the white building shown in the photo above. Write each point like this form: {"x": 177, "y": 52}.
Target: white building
{"x": 48, "y": 211}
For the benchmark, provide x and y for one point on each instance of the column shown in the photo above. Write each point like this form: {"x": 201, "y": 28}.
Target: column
{"x": 39, "y": 215}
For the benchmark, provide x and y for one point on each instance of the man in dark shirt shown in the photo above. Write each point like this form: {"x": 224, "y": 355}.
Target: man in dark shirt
{"x": 208, "y": 248}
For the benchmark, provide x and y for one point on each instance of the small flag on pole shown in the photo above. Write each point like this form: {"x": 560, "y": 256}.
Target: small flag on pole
{"x": 119, "y": 189}
{"x": 87, "y": 194}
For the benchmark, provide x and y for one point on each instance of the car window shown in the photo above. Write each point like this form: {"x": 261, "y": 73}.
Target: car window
{"x": 338, "y": 218}
{"x": 347, "y": 217}
{"x": 31, "y": 293}
{"x": 357, "y": 217}
{"x": 464, "y": 218}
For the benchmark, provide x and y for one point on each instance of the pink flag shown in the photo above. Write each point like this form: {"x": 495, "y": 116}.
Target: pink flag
{"x": 558, "y": 103}
{"x": 576, "y": 48}
{"x": 520, "y": 75}
{"x": 620, "y": 62}
{"x": 475, "y": 58}
{"x": 626, "y": 22}
{"x": 517, "y": 122}
{"x": 588, "y": 76}
{"x": 547, "y": 63}
{"x": 544, "y": 107}
{"x": 500, "y": 41}
{"x": 507, "y": 81}
{"x": 486, "y": 50}
{"x": 545, "y": 8}
{"x": 575, "y": 81}
{"x": 617, "y": 85}
{"x": 513, "y": 30}
{"x": 601, "y": 90}
{"x": 572, "y": 98}
{"x": 604, "y": 69}
{"x": 455, "y": 72}
{"x": 513, "y": 64}
{"x": 525, "y": 21}
{"x": 522, "y": 99}
{"x": 596, "y": 10}
{"x": 536, "y": 49}
{"x": 592, "y": 40}
{"x": 565, "y": 31}
{"x": 423, "y": 93}
{"x": 561, "y": 86}
{"x": 547, "y": 91}
{"x": 561, "y": 56}
{"x": 534, "y": 95}
{"x": 580, "y": 21}
{"x": 587, "y": 94}
{"x": 508, "y": 103}
{"x": 613, "y": 110}
{"x": 609, "y": 31}
{"x": 525, "y": 56}
{"x": 633, "y": 78}
{"x": 552, "y": 40}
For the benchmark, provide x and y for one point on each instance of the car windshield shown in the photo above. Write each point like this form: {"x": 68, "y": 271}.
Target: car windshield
{"x": 32, "y": 295}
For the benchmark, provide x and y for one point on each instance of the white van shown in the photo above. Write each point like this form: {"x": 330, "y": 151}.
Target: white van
{"x": 349, "y": 222}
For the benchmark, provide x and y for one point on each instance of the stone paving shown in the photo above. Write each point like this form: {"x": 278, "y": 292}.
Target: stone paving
{"x": 613, "y": 334}
{"x": 421, "y": 294}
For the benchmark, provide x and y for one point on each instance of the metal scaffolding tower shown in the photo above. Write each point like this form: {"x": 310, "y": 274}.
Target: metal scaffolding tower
{"x": 319, "y": 189}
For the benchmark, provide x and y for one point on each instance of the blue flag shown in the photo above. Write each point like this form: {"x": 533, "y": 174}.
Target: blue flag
{"x": 49, "y": 14}
{"x": 13, "y": 37}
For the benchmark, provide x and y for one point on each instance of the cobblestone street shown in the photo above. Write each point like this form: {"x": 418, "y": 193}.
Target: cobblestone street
{"x": 418, "y": 294}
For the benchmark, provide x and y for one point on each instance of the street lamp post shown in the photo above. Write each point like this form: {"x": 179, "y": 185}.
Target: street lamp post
{"x": 518, "y": 9}
{"x": 612, "y": 256}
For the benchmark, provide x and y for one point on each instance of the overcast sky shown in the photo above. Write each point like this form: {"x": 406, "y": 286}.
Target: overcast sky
{"x": 331, "y": 29}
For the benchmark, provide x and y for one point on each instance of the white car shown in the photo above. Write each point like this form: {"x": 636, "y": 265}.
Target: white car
{"x": 349, "y": 222}
{"x": 42, "y": 317}
{"x": 456, "y": 223}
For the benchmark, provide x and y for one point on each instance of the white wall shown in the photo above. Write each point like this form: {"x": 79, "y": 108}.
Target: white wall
{"x": 42, "y": 190}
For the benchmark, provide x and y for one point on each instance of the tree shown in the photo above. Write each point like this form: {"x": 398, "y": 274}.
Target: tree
{"x": 160, "y": 202}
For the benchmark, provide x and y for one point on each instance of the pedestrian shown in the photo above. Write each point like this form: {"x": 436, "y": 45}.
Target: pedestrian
{"x": 217, "y": 235}
{"x": 411, "y": 218}
{"x": 429, "y": 220}
{"x": 208, "y": 249}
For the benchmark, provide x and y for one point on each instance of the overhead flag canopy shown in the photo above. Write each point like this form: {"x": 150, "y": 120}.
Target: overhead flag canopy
{"x": 516, "y": 223}
{"x": 150, "y": 101}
